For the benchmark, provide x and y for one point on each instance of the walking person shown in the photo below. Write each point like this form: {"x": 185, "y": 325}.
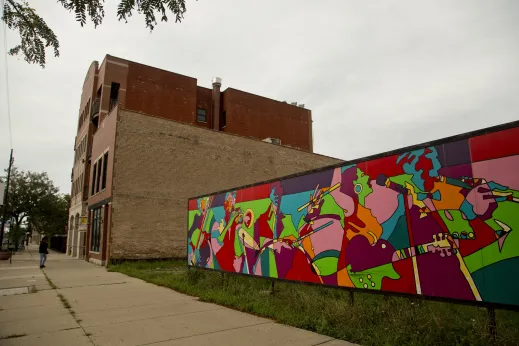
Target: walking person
{"x": 43, "y": 251}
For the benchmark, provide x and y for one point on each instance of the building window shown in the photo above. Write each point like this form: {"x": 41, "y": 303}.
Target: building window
{"x": 80, "y": 190}
{"x": 98, "y": 177}
{"x": 201, "y": 115}
{"x": 114, "y": 96}
{"x": 105, "y": 166}
{"x": 94, "y": 179}
{"x": 95, "y": 242}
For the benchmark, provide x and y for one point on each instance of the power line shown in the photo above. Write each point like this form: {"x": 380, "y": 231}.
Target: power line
{"x": 7, "y": 82}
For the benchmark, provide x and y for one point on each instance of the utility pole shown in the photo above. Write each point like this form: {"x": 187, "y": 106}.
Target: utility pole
{"x": 6, "y": 195}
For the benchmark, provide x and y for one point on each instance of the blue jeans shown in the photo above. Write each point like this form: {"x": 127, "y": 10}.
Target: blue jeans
{"x": 43, "y": 258}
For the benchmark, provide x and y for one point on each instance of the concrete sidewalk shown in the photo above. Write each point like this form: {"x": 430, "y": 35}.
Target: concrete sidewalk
{"x": 72, "y": 302}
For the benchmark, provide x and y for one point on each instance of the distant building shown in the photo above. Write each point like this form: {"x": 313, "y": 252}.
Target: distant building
{"x": 148, "y": 139}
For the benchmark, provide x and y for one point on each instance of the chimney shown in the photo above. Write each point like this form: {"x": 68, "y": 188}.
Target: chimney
{"x": 217, "y": 83}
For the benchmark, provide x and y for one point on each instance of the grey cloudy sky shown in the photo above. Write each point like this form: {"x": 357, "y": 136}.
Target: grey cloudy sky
{"x": 377, "y": 75}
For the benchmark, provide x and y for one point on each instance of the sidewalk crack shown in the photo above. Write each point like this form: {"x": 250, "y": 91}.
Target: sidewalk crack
{"x": 67, "y": 306}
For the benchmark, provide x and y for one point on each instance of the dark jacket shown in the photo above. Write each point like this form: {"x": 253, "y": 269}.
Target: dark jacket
{"x": 43, "y": 247}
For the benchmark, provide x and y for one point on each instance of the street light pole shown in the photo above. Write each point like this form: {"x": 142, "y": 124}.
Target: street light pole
{"x": 6, "y": 194}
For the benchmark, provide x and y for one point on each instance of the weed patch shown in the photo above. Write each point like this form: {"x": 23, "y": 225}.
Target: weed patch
{"x": 51, "y": 284}
{"x": 13, "y": 336}
{"x": 64, "y": 301}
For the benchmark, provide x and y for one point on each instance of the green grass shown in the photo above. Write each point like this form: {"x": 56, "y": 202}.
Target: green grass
{"x": 371, "y": 320}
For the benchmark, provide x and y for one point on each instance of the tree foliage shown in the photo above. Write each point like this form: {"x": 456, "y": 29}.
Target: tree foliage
{"x": 33, "y": 199}
{"x": 51, "y": 216}
{"x": 36, "y": 36}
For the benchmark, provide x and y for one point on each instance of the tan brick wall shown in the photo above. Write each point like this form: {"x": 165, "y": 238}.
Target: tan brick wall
{"x": 159, "y": 164}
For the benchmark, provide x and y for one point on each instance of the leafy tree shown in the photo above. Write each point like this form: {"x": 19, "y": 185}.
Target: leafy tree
{"x": 15, "y": 235}
{"x": 34, "y": 200}
{"x": 36, "y": 36}
{"x": 51, "y": 215}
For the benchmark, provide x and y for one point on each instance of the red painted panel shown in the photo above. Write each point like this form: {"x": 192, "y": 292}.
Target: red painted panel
{"x": 363, "y": 166}
{"x": 193, "y": 204}
{"x": 244, "y": 195}
{"x": 253, "y": 193}
{"x": 494, "y": 145}
{"x": 406, "y": 283}
{"x": 385, "y": 165}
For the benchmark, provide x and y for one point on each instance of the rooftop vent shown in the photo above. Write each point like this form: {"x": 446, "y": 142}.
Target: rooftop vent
{"x": 217, "y": 80}
{"x": 272, "y": 140}
{"x": 300, "y": 105}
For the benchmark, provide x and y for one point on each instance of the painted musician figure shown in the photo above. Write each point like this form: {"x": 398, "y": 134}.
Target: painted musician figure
{"x": 224, "y": 243}
{"x": 259, "y": 257}
{"x": 199, "y": 235}
{"x": 435, "y": 201}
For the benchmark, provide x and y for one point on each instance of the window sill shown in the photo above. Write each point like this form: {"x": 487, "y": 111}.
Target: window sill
{"x": 97, "y": 193}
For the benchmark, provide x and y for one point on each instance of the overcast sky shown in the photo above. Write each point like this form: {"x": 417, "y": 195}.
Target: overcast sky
{"x": 376, "y": 75}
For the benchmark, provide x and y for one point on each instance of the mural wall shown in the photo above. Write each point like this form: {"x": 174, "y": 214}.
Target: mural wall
{"x": 441, "y": 221}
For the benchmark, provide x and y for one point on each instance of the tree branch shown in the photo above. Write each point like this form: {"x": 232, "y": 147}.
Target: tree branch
{"x": 27, "y": 22}
{"x": 34, "y": 32}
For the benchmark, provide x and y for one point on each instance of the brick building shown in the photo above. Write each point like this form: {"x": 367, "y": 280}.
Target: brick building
{"x": 112, "y": 158}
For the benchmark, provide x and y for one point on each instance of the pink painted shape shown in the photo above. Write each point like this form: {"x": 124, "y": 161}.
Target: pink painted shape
{"x": 257, "y": 269}
{"x": 238, "y": 264}
{"x": 429, "y": 204}
{"x": 410, "y": 201}
{"x": 477, "y": 199}
{"x": 503, "y": 171}
{"x": 215, "y": 246}
{"x": 329, "y": 238}
{"x": 383, "y": 202}
{"x": 501, "y": 241}
{"x": 210, "y": 260}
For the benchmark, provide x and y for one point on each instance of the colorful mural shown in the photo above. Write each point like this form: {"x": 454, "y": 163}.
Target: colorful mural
{"x": 441, "y": 221}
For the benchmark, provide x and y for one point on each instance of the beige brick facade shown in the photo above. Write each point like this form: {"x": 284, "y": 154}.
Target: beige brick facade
{"x": 159, "y": 164}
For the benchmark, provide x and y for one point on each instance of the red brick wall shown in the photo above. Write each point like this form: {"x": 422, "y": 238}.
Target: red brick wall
{"x": 104, "y": 141}
{"x": 161, "y": 93}
{"x": 204, "y": 100}
{"x": 258, "y": 117}
{"x": 112, "y": 70}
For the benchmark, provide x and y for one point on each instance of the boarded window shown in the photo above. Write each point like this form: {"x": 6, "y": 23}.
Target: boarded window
{"x": 201, "y": 115}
